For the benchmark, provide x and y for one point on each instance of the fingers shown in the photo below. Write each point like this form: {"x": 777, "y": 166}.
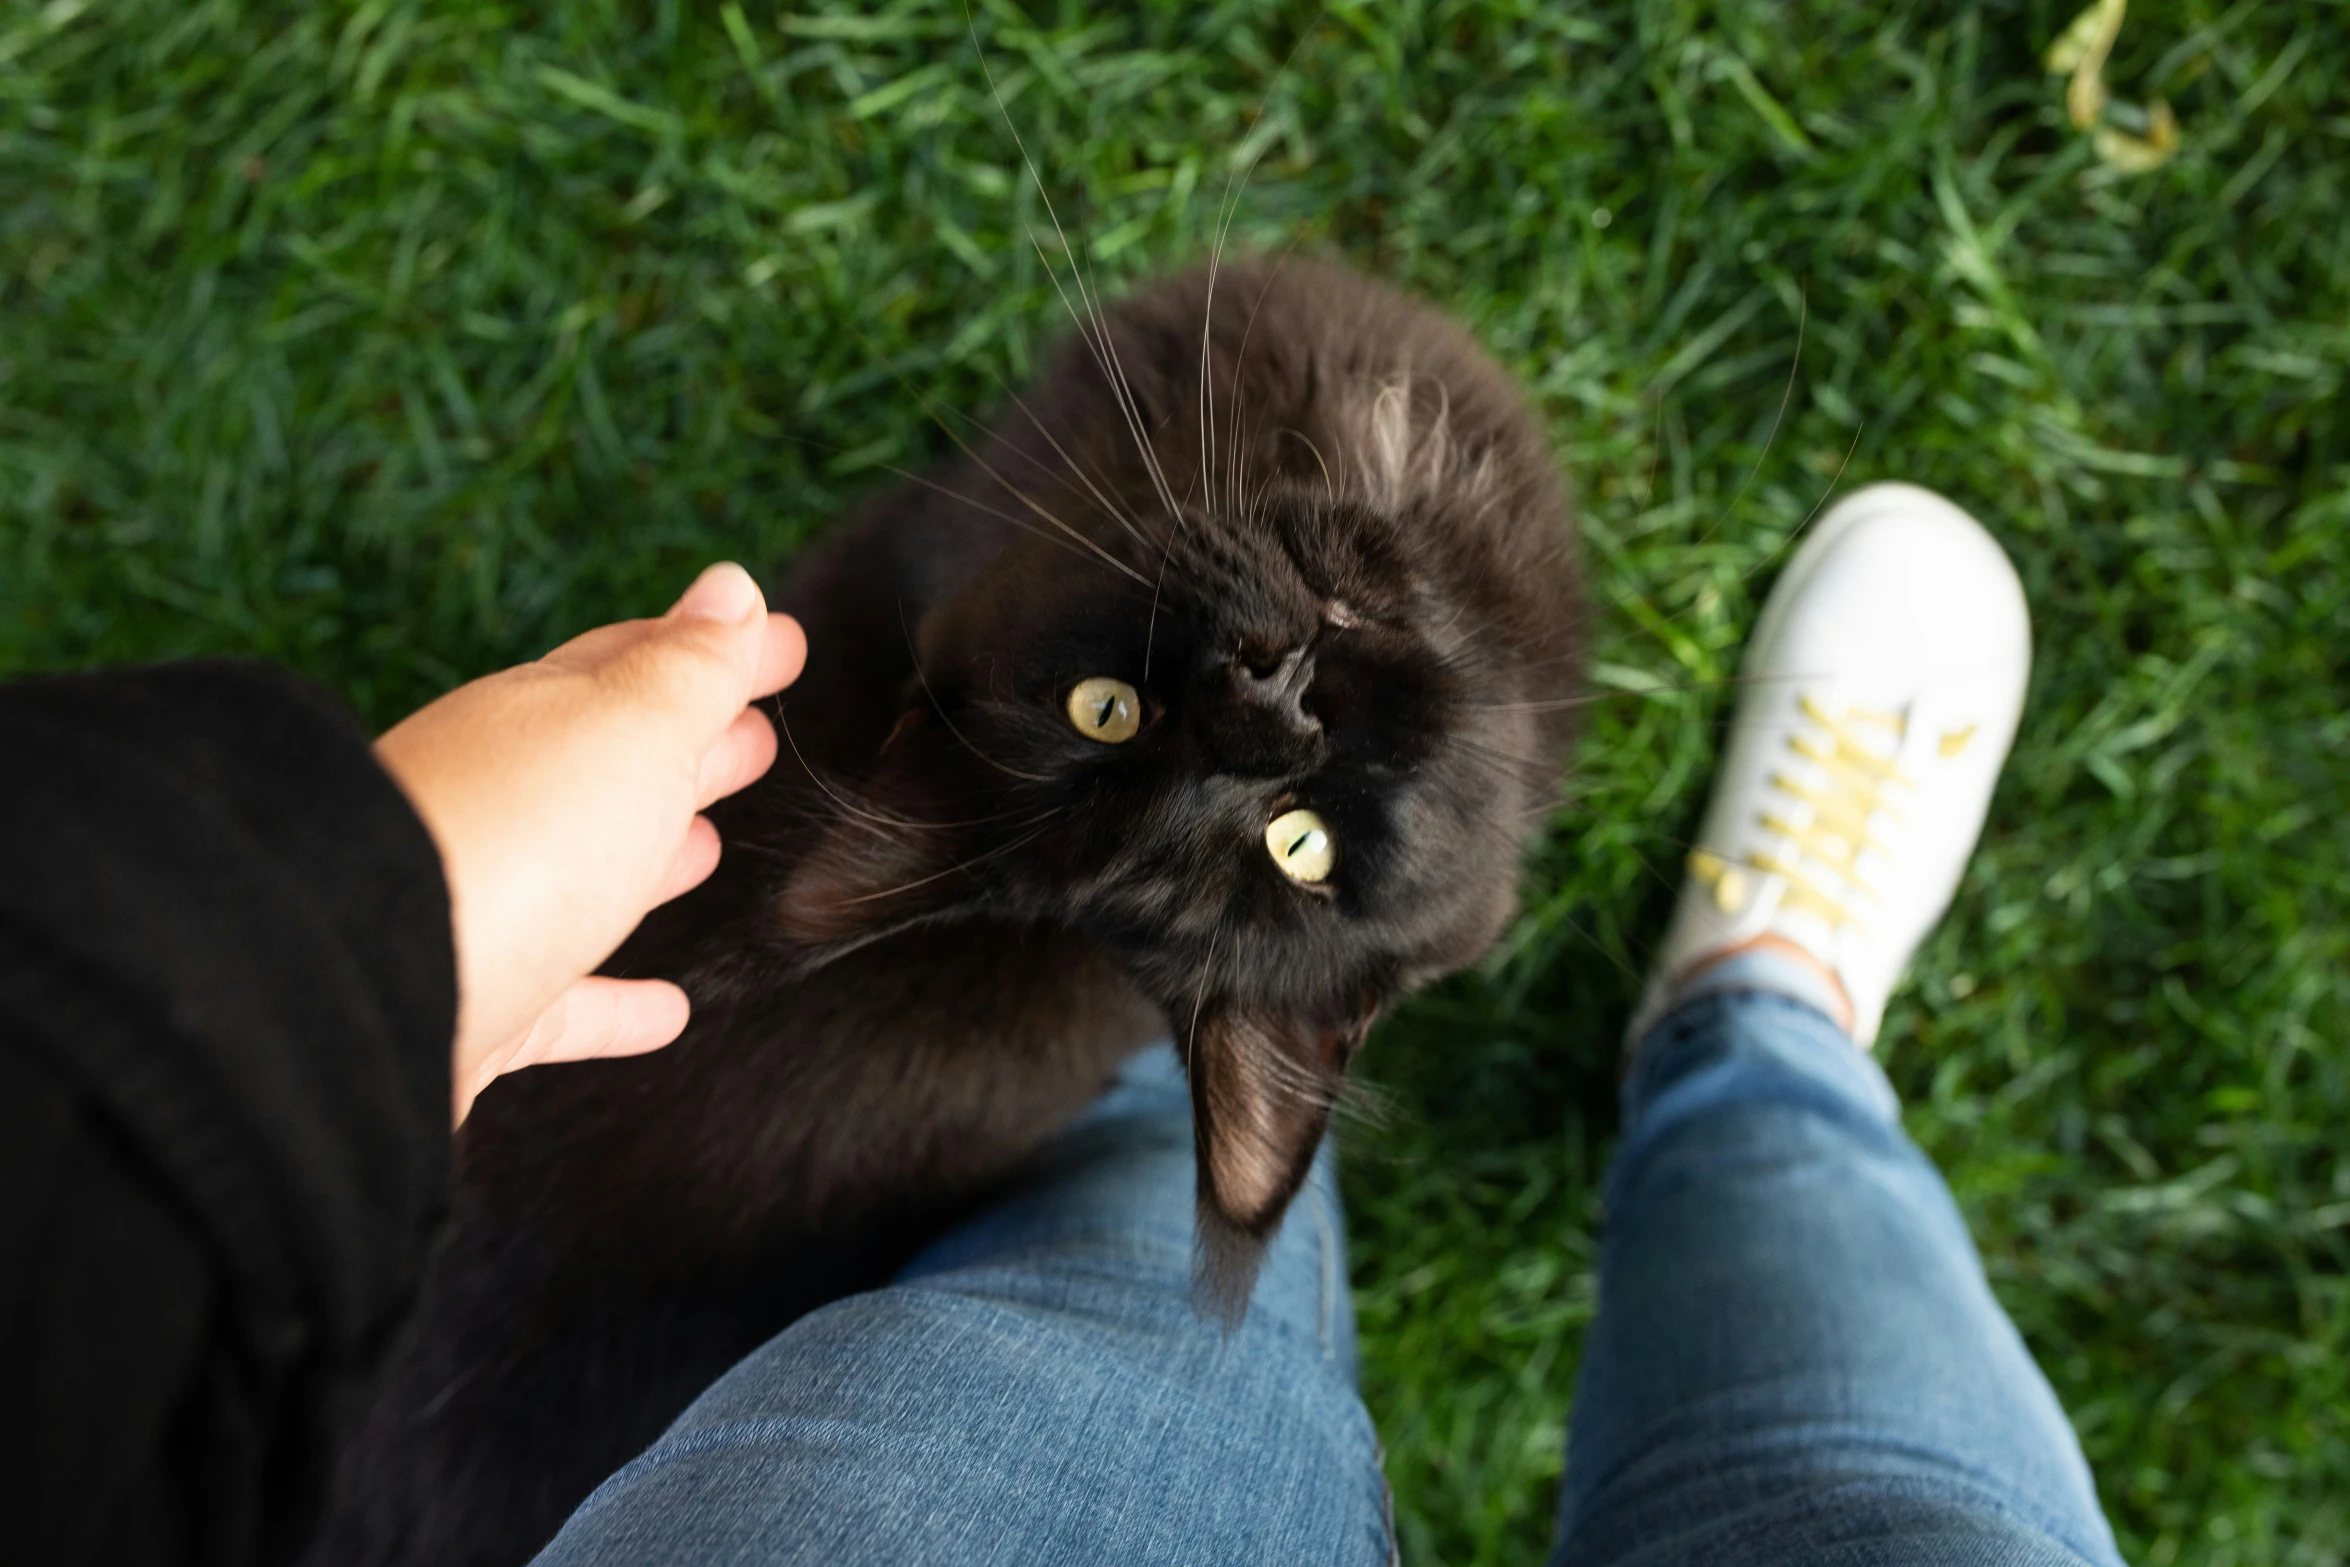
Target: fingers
{"x": 696, "y": 858}
{"x": 740, "y": 755}
{"x": 600, "y": 1016}
{"x": 595, "y": 1016}
{"x": 619, "y": 737}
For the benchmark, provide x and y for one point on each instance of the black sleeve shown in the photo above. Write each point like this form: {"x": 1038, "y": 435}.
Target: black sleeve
{"x": 227, "y": 994}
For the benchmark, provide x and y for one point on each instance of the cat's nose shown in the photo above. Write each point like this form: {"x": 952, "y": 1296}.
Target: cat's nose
{"x": 1258, "y": 726}
{"x": 1278, "y": 686}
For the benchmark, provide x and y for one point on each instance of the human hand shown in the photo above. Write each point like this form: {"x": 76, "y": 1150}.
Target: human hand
{"x": 564, "y": 796}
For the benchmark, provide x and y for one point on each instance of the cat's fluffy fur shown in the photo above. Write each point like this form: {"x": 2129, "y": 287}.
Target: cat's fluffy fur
{"x": 1343, "y": 576}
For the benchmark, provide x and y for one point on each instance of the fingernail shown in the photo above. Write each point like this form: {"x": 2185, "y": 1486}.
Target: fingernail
{"x": 722, "y": 592}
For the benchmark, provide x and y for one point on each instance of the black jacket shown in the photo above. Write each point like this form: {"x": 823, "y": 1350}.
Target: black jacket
{"x": 226, "y": 999}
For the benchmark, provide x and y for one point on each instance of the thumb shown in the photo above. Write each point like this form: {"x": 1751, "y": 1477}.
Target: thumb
{"x": 730, "y": 595}
{"x": 723, "y": 592}
{"x": 697, "y": 666}
{"x": 726, "y": 596}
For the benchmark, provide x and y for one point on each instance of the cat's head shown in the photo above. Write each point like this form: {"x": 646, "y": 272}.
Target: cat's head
{"x": 1280, "y": 757}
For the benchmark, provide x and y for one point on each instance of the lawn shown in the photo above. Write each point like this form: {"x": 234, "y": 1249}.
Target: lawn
{"x": 396, "y": 341}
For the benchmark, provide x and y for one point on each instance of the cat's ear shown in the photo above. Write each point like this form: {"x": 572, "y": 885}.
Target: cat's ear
{"x": 889, "y": 857}
{"x": 1262, "y": 1089}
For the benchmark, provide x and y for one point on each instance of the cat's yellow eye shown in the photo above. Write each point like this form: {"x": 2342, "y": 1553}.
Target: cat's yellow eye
{"x": 1106, "y": 710}
{"x": 1301, "y": 845}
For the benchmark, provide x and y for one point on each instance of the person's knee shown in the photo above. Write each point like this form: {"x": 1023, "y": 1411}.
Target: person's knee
{"x": 920, "y": 1424}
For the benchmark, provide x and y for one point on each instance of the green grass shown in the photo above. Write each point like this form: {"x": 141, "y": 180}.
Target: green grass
{"x": 397, "y": 341}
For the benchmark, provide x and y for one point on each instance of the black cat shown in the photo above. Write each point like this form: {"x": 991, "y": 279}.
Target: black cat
{"x": 1214, "y": 694}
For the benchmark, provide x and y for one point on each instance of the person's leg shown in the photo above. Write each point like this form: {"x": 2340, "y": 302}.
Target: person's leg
{"x": 1796, "y": 1356}
{"x": 1036, "y": 1389}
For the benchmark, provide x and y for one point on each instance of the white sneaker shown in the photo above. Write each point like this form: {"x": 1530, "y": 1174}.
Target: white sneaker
{"x": 1881, "y": 691}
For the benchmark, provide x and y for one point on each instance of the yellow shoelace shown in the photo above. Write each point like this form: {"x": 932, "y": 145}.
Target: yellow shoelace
{"x": 1849, "y": 792}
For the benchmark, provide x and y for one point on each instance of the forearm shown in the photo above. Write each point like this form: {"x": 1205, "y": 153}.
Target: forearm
{"x": 226, "y": 999}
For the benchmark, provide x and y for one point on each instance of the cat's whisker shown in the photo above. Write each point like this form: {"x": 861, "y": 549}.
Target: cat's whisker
{"x": 1084, "y": 476}
{"x": 932, "y": 413}
{"x": 1306, "y": 1083}
{"x": 1620, "y": 693}
{"x": 1084, "y": 548}
{"x": 1328, "y": 485}
{"x": 1796, "y": 534}
{"x": 1198, "y": 999}
{"x": 1207, "y": 379}
{"x": 1227, "y": 211}
{"x": 1237, "y": 441}
{"x": 1834, "y": 479}
{"x": 914, "y": 657}
{"x": 1771, "y": 557}
{"x": 1656, "y": 452}
{"x": 1282, "y": 1079}
{"x": 1091, "y": 544}
{"x": 1090, "y": 292}
{"x": 871, "y": 818}
{"x": 1794, "y": 367}
{"x": 1328, "y": 1094}
{"x": 1025, "y": 499}
{"x": 1150, "y": 630}
{"x": 959, "y": 867}
{"x": 1459, "y": 612}
{"x": 924, "y": 481}
{"x": 1564, "y": 704}
{"x": 1669, "y": 883}
{"x": 1593, "y": 942}
{"x": 1104, "y": 349}
{"x": 817, "y": 778}
{"x": 1540, "y": 764}
{"x": 1364, "y": 1105}
{"x": 1232, "y": 446}
{"x": 1093, "y": 327}
{"x": 764, "y": 851}
{"x": 1095, "y": 485}
{"x": 1256, "y": 499}
{"x": 1786, "y": 396}
{"x": 1098, "y": 339}
{"x": 1232, "y": 464}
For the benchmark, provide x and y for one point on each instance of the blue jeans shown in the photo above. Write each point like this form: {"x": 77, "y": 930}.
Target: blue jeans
{"x": 1796, "y": 1359}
